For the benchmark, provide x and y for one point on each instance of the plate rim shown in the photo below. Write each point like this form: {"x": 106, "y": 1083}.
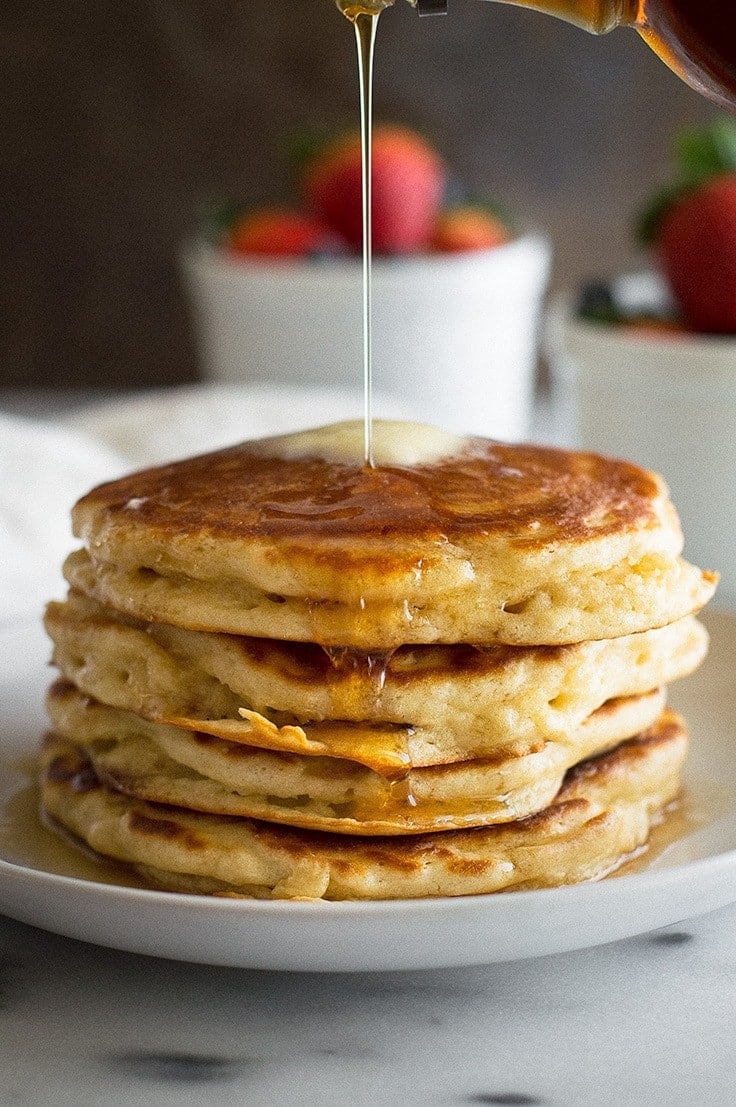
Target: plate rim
{"x": 714, "y": 874}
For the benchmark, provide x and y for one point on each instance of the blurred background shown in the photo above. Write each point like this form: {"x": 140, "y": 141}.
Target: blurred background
{"x": 120, "y": 120}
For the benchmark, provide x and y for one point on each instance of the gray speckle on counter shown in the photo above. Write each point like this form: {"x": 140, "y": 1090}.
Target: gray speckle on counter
{"x": 505, "y": 1099}
{"x": 672, "y": 938}
{"x": 645, "y": 1023}
{"x": 180, "y": 1068}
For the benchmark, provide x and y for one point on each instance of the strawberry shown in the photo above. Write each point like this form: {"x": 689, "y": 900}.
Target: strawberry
{"x": 468, "y": 228}
{"x": 408, "y": 181}
{"x": 692, "y": 228}
{"x": 279, "y": 232}
{"x": 696, "y": 244}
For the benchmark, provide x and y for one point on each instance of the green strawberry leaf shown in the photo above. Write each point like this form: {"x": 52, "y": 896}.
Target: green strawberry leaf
{"x": 299, "y": 148}
{"x": 216, "y": 218}
{"x": 700, "y": 153}
{"x": 488, "y": 204}
{"x": 724, "y": 138}
{"x": 696, "y": 157}
{"x": 706, "y": 152}
{"x": 651, "y": 219}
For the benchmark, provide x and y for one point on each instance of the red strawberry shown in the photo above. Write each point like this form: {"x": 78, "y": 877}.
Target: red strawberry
{"x": 408, "y": 181}
{"x": 279, "y": 232}
{"x": 468, "y": 228}
{"x": 696, "y": 243}
{"x": 692, "y": 227}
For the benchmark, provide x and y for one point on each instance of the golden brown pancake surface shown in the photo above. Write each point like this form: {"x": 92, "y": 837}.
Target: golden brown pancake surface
{"x": 602, "y": 813}
{"x": 498, "y": 543}
{"x": 192, "y": 770}
{"x": 540, "y": 494}
{"x": 421, "y": 705}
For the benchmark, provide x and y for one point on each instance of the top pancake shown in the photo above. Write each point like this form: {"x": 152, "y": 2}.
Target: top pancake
{"x": 495, "y": 543}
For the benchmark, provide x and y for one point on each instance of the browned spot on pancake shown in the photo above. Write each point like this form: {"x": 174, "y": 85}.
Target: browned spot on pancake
{"x": 71, "y": 769}
{"x": 537, "y": 493}
{"x": 302, "y": 661}
{"x": 399, "y": 860}
{"x": 554, "y": 816}
{"x": 410, "y": 662}
{"x": 164, "y": 828}
{"x": 463, "y": 866}
{"x": 505, "y": 757}
{"x": 668, "y": 728}
{"x": 609, "y": 707}
{"x": 206, "y": 740}
{"x": 60, "y": 689}
{"x": 346, "y": 854}
{"x": 612, "y": 706}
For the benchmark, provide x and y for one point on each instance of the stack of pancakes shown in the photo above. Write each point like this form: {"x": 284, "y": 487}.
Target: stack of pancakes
{"x": 284, "y": 673}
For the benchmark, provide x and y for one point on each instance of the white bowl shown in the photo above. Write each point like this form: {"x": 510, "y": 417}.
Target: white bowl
{"x": 667, "y": 401}
{"x": 454, "y": 334}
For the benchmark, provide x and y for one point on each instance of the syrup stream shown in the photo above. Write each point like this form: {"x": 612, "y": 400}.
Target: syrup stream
{"x": 365, "y": 36}
{"x": 363, "y": 14}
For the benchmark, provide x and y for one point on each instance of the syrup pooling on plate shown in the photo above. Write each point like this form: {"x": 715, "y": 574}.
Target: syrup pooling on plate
{"x": 29, "y": 839}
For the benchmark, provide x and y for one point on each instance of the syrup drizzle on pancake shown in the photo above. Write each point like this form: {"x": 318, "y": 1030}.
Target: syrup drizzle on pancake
{"x": 537, "y": 493}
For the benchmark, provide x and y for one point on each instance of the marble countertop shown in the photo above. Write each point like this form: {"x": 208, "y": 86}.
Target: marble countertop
{"x": 647, "y": 1021}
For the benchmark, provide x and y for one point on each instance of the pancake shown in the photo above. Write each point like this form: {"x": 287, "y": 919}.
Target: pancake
{"x": 602, "y": 814}
{"x": 423, "y": 705}
{"x": 168, "y": 765}
{"x": 287, "y": 674}
{"x": 489, "y": 543}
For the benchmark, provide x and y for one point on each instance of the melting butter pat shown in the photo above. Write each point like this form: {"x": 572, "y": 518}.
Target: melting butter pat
{"x": 394, "y": 443}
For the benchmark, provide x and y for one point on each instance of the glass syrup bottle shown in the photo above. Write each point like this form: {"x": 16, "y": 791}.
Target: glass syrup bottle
{"x": 696, "y": 38}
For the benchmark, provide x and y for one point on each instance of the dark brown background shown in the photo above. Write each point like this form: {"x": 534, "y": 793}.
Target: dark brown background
{"x": 120, "y": 118}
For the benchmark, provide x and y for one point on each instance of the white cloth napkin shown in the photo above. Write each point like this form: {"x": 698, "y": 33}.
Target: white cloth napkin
{"x": 44, "y": 468}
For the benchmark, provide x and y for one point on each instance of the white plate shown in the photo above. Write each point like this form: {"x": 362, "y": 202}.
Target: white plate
{"x": 694, "y": 873}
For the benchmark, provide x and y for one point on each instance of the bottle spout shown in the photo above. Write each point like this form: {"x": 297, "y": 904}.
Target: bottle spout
{"x": 431, "y": 7}
{"x": 596, "y": 16}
